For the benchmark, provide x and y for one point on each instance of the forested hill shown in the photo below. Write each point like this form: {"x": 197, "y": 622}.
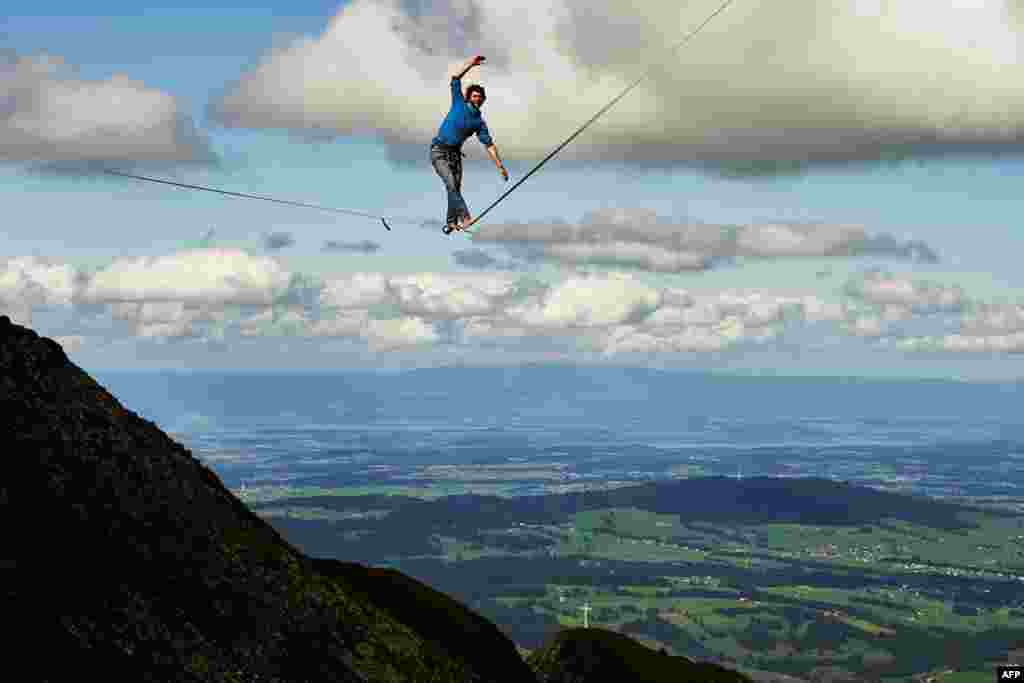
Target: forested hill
{"x": 710, "y": 499}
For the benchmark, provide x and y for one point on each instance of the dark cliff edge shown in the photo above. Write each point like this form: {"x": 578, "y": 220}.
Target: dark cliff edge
{"x": 581, "y": 655}
{"x": 123, "y": 555}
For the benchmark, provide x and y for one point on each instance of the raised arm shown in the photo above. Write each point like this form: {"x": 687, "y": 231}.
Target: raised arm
{"x": 457, "y": 75}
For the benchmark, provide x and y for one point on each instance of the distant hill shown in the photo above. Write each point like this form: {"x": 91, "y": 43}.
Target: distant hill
{"x": 776, "y": 500}
{"x": 586, "y": 654}
{"x": 755, "y": 500}
{"x": 124, "y": 557}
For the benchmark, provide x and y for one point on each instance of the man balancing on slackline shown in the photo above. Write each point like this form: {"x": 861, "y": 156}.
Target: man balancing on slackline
{"x": 463, "y": 119}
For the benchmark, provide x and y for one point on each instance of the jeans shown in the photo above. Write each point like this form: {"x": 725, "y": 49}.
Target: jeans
{"x": 447, "y": 162}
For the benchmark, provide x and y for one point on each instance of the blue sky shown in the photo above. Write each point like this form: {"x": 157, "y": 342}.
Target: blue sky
{"x": 963, "y": 208}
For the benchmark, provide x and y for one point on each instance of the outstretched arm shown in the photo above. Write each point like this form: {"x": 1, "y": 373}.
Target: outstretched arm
{"x": 492, "y": 150}
{"x": 456, "y": 75}
{"x": 488, "y": 142}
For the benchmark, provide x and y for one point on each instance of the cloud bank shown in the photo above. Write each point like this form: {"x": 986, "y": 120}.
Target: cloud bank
{"x": 221, "y": 297}
{"x": 889, "y": 307}
{"x": 29, "y": 282}
{"x": 638, "y": 238}
{"x": 49, "y": 115}
{"x": 765, "y": 85}
{"x": 898, "y": 294}
{"x": 991, "y": 329}
{"x": 197, "y": 276}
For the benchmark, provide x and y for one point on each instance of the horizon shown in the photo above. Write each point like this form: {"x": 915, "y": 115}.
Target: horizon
{"x": 711, "y": 372}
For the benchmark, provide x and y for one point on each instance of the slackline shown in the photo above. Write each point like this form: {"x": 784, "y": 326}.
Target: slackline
{"x": 350, "y": 212}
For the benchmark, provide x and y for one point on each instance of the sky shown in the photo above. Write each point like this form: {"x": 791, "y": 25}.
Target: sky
{"x": 827, "y": 188}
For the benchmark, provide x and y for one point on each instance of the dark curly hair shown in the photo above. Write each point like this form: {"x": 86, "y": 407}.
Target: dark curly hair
{"x": 476, "y": 88}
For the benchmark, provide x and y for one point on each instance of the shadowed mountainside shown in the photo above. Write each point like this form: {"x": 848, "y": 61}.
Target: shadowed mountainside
{"x": 585, "y": 654}
{"x": 123, "y": 554}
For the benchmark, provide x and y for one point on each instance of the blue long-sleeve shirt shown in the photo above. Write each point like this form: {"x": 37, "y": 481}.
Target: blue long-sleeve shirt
{"x": 463, "y": 120}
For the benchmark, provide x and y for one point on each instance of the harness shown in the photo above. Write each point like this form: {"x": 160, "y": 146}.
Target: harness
{"x": 451, "y": 154}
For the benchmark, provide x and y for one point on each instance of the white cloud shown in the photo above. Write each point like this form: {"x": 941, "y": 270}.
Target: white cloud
{"x": 341, "y": 324}
{"x": 865, "y": 326}
{"x": 901, "y": 292}
{"x": 959, "y": 343}
{"x": 755, "y": 308}
{"x": 981, "y": 327}
{"x": 986, "y": 329}
{"x": 781, "y": 240}
{"x": 588, "y": 301}
{"x": 637, "y": 238}
{"x": 399, "y": 333}
{"x": 629, "y": 339}
{"x": 71, "y": 343}
{"x": 789, "y": 82}
{"x": 44, "y": 281}
{"x": 47, "y": 114}
{"x": 488, "y": 330}
{"x": 896, "y": 312}
{"x": 709, "y": 322}
{"x": 995, "y": 319}
{"x": 174, "y": 296}
{"x": 29, "y": 281}
{"x": 359, "y": 290}
{"x": 166, "y": 319}
{"x": 223, "y": 295}
{"x": 389, "y": 334}
{"x": 607, "y": 313}
{"x": 705, "y": 313}
{"x": 436, "y": 295}
{"x": 151, "y": 302}
{"x": 177, "y": 329}
{"x": 643, "y": 256}
{"x": 203, "y": 276}
{"x": 818, "y": 310}
{"x": 429, "y": 295}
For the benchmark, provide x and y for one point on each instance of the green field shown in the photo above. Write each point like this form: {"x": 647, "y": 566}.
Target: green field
{"x": 967, "y": 677}
{"x": 769, "y": 631}
{"x": 891, "y": 599}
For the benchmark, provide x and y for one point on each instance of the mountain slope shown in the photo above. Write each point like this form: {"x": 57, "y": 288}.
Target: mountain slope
{"x": 587, "y": 654}
{"x": 122, "y": 553}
